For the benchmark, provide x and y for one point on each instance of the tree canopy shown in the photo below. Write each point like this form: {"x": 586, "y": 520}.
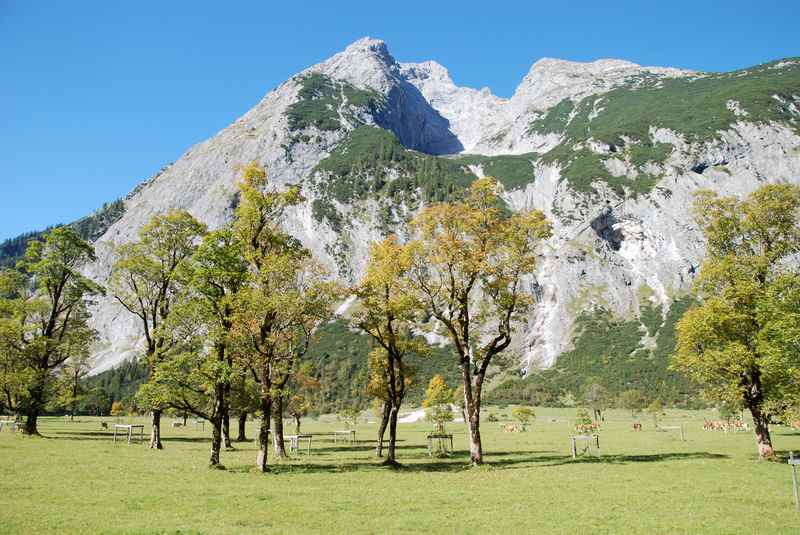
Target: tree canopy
{"x": 739, "y": 342}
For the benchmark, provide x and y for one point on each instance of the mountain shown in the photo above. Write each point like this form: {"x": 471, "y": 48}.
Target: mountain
{"x": 609, "y": 150}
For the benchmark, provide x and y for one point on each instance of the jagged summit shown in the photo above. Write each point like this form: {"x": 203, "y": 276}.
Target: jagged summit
{"x": 366, "y": 63}
{"x": 427, "y": 70}
{"x": 430, "y": 113}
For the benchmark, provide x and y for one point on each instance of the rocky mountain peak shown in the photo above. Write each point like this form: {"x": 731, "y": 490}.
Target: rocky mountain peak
{"x": 550, "y": 80}
{"x": 366, "y": 64}
{"x": 430, "y": 71}
{"x": 369, "y": 46}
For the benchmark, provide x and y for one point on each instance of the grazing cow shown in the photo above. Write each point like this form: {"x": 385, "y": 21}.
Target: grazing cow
{"x": 739, "y": 425}
{"x": 511, "y": 428}
{"x": 637, "y": 426}
{"x": 103, "y": 425}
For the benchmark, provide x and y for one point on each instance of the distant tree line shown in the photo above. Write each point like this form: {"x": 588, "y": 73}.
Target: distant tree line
{"x": 88, "y": 228}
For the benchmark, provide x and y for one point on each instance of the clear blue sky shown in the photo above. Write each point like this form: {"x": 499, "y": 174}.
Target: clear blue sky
{"x": 96, "y": 96}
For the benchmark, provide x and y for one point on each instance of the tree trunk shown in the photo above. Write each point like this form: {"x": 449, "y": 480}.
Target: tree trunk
{"x": 216, "y": 424}
{"x": 226, "y": 428}
{"x": 185, "y": 416}
{"x": 763, "y": 439}
{"x": 216, "y": 442}
{"x": 297, "y": 423}
{"x": 31, "y": 419}
{"x": 390, "y": 454}
{"x": 387, "y": 408}
{"x": 74, "y": 404}
{"x": 242, "y": 428}
{"x": 280, "y": 448}
{"x": 32, "y": 411}
{"x": 155, "y": 434}
{"x": 475, "y": 447}
{"x": 263, "y": 431}
{"x": 472, "y": 405}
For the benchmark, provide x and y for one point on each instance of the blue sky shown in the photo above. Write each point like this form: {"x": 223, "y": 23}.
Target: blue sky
{"x": 97, "y": 96}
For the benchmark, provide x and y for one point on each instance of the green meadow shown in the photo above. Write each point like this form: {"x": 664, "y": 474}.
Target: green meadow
{"x": 75, "y": 480}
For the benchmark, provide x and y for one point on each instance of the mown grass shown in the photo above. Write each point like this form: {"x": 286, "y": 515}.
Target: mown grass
{"x": 75, "y": 481}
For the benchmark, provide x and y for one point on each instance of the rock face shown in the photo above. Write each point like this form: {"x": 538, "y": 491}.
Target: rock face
{"x": 584, "y": 142}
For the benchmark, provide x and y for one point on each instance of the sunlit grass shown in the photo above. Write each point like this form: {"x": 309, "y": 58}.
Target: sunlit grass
{"x": 75, "y": 480}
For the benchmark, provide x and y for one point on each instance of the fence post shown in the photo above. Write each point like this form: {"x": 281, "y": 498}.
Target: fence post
{"x": 794, "y": 481}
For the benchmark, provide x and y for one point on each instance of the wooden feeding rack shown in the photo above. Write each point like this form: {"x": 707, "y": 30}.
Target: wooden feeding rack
{"x": 129, "y": 429}
{"x": 588, "y": 440}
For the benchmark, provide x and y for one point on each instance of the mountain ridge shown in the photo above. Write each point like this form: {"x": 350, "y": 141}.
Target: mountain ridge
{"x": 609, "y": 150}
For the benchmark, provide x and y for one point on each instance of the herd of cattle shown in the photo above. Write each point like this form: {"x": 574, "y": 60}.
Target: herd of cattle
{"x": 709, "y": 425}
{"x": 725, "y": 425}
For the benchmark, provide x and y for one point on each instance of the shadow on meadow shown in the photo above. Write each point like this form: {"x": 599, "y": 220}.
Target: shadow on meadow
{"x": 625, "y": 459}
{"x": 458, "y": 462}
{"x": 109, "y": 436}
{"x": 782, "y": 456}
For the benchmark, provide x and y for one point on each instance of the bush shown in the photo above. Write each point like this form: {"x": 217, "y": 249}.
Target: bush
{"x": 523, "y": 414}
{"x": 118, "y": 409}
{"x": 438, "y": 403}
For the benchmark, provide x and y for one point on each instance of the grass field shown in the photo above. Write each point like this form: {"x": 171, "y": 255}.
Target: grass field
{"x": 75, "y": 481}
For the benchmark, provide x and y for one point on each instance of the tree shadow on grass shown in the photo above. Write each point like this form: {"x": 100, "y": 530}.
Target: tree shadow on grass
{"x": 105, "y": 435}
{"x": 83, "y": 435}
{"x": 782, "y": 456}
{"x": 626, "y": 459}
{"x": 344, "y": 448}
{"x": 458, "y": 461}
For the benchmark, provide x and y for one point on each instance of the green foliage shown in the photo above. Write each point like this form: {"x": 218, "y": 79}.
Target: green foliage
{"x": 632, "y": 400}
{"x": 88, "y": 228}
{"x": 583, "y": 167}
{"x": 695, "y": 107}
{"x": 338, "y": 357}
{"x": 13, "y": 249}
{"x": 729, "y": 411}
{"x": 117, "y": 409}
{"x": 555, "y": 120}
{"x": 609, "y": 351}
{"x": 438, "y": 402}
{"x": 582, "y": 420}
{"x": 44, "y": 321}
{"x": 360, "y": 167}
{"x": 95, "y": 225}
{"x": 149, "y": 276}
{"x": 655, "y": 410}
{"x": 523, "y": 414}
{"x": 119, "y": 383}
{"x": 650, "y": 316}
{"x": 512, "y": 171}
{"x": 739, "y": 343}
{"x": 324, "y": 210}
{"x": 320, "y": 100}
{"x": 349, "y": 416}
{"x": 644, "y": 152}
